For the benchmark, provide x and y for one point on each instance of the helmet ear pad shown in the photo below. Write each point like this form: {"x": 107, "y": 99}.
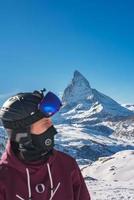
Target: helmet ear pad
{"x": 21, "y": 110}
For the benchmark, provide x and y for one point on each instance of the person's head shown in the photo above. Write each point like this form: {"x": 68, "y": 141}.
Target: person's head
{"x": 27, "y": 119}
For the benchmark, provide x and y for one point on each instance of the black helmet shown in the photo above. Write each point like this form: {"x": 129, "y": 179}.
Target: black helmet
{"x": 21, "y": 110}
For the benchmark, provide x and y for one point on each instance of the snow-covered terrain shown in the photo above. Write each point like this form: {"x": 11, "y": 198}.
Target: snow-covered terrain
{"x": 111, "y": 190}
{"x": 118, "y": 167}
{"x": 86, "y": 145}
{"x": 111, "y": 177}
{"x": 99, "y": 133}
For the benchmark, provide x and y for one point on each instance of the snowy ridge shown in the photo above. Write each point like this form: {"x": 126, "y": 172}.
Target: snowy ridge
{"x": 129, "y": 106}
{"x": 87, "y": 145}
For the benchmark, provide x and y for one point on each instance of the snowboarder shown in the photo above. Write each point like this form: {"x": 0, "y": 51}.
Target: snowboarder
{"x": 31, "y": 168}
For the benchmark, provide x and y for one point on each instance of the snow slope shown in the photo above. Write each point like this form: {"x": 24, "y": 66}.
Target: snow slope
{"x": 112, "y": 177}
{"x": 118, "y": 167}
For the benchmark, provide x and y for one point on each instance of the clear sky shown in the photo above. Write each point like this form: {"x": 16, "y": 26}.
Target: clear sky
{"x": 42, "y": 42}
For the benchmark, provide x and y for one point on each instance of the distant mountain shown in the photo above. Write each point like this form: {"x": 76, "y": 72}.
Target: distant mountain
{"x": 129, "y": 106}
{"x": 82, "y": 104}
{"x": 77, "y": 91}
{"x": 92, "y": 124}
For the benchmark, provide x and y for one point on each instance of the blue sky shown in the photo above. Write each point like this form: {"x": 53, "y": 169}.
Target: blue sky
{"x": 42, "y": 42}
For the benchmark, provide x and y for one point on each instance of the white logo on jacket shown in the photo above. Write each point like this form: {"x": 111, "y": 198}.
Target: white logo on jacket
{"x": 40, "y": 188}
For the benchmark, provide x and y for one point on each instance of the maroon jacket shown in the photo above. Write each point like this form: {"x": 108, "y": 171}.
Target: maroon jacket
{"x": 57, "y": 179}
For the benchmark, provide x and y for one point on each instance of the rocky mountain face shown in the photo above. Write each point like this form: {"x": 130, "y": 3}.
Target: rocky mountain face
{"x": 77, "y": 91}
{"x": 81, "y": 101}
{"x": 87, "y": 107}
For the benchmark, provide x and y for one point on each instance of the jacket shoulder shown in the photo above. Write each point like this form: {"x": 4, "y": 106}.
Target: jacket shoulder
{"x": 65, "y": 155}
{"x": 3, "y": 169}
{"x": 66, "y": 159}
{"x": 1, "y": 165}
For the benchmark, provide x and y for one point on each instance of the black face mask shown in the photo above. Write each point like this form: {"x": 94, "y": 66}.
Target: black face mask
{"x": 36, "y": 147}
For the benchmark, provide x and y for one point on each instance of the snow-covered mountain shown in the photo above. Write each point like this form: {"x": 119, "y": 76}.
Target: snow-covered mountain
{"x": 93, "y": 111}
{"x": 129, "y": 106}
{"x": 82, "y": 104}
{"x": 77, "y": 91}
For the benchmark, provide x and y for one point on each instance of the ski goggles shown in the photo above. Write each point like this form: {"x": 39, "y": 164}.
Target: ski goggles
{"x": 50, "y": 104}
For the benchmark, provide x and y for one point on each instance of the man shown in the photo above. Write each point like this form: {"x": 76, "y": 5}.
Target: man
{"x": 30, "y": 168}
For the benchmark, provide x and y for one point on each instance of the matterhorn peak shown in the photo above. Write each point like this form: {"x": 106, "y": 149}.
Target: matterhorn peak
{"x": 79, "y": 89}
{"x": 80, "y": 79}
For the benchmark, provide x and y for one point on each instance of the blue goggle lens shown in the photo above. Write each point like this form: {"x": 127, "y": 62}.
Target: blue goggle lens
{"x": 50, "y": 104}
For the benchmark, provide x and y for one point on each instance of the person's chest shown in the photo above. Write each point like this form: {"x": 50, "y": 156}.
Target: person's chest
{"x": 39, "y": 186}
